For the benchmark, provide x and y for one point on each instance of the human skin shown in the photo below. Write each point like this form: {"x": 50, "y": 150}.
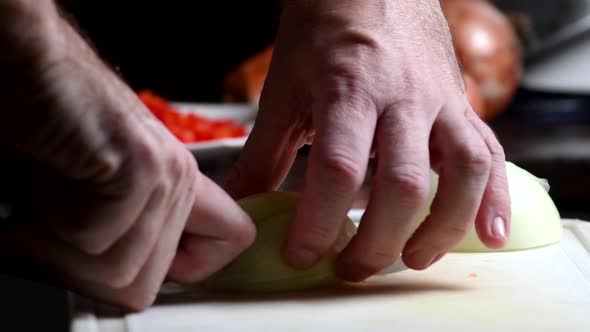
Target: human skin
{"x": 121, "y": 203}
{"x": 124, "y": 205}
{"x": 355, "y": 78}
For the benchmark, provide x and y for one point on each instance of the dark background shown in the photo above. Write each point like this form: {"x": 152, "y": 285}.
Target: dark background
{"x": 183, "y": 50}
{"x": 180, "y": 49}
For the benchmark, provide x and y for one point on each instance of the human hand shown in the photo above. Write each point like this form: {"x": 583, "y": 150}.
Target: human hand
{"x": 121, "y": 203}
{"x": 360, "y": 76}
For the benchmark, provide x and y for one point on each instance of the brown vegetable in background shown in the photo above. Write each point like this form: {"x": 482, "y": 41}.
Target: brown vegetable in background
{"x": 488, "y": 49}
{"x": 486, "y": 44}
{"x": 245, "y": 83}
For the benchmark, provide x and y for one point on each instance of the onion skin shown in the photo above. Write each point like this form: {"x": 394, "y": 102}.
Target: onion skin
{"x": 535, "y": 223}
{"x": 488, "y": 50}
{"x": 261, "y": 268}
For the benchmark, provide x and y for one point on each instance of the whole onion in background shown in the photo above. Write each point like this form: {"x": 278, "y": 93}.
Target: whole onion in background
{"x": 488, "y": 50}
{"x": 486, "y": 44}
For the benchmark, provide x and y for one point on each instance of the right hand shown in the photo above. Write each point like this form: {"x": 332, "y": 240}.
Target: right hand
{"x": 121, "y": 203}
{"x": 353, "y": 77}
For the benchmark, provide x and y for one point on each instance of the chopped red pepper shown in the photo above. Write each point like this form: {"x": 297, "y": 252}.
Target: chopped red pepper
{"x": 190, "y": 128}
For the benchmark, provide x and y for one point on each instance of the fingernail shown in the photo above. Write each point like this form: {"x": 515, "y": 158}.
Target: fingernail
{"x": 424, "y": 258}
{"x": 301, "y": 258}
{"x": 499, "y": 228}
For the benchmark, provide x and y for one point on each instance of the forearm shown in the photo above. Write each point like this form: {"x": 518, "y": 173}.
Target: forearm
{"x": 61, "y": 104}
{"x": 26, "y": 30}
{"x": 29, "y": 31}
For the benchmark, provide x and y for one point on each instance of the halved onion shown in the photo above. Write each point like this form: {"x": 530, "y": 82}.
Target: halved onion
{"x": 535, "y": 219}
{"x": 261, "y": 268}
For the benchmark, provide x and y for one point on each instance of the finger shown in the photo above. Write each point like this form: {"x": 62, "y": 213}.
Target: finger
{"x": 93, "y": 214}
{"x": 493, "y": 219}
{"x": 463, "y": 175}
{"x": 143, "y": 291}
{"x": 215, "y": 214}
{"x": 89, "y": 221}
{"x": 399, "y": 194}
{"x": 125, "y": 258}
{"x": 217, "y": 231}
{"x": 121, "y": 263}
{"x": 66, "y": 265}
{"x": 337, "y": 168}
{"x": 270, "y": 150}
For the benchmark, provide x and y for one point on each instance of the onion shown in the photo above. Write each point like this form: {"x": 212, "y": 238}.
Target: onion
{"x": 261, "y": 268}
{"x": 488, "y": 49}
{"x": 535, "y": 219}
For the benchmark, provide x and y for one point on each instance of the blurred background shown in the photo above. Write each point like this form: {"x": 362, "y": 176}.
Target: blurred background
{"x": 526, "y": 65}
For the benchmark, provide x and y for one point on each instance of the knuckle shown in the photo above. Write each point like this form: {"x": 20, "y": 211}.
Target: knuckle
{"x": 453, "y": 233}
{"x": 160, "y": 188}
{"x": 93, "y": 245}
{"x": 85, "y": 239}
{"x": 140, "y": 300}
{"x": 499, "y": 193}
{"x": 345, "y": 169}
{"x": 348, "y": 83}
{"x": 147, "y": 159}
{"x": 123, "y": 269}
{"x": 320, "y": 232}
{"x": 245, "y": 236}
{"x": 412, "y": 84}
{"x": 181, "y": 167}
{"x": 192, "y": 171}
{"x": 318, "y": 237}
{"x": 121, "y": 273}
{"x": 497, "y": 152}
{"x": 474, "y": 159}
{"x": 499, "y": 188}
{"x": 177, "y": 166}
{"x": 105, "y": 165}
{"x": 411, "y": 180}
{"x": 494, "y": 146}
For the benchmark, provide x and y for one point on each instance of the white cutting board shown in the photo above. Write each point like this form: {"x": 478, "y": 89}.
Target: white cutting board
{"x": 545, "y": 289}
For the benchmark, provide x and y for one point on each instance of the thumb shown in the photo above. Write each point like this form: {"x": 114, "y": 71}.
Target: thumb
{"x": 268, "y": 153}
